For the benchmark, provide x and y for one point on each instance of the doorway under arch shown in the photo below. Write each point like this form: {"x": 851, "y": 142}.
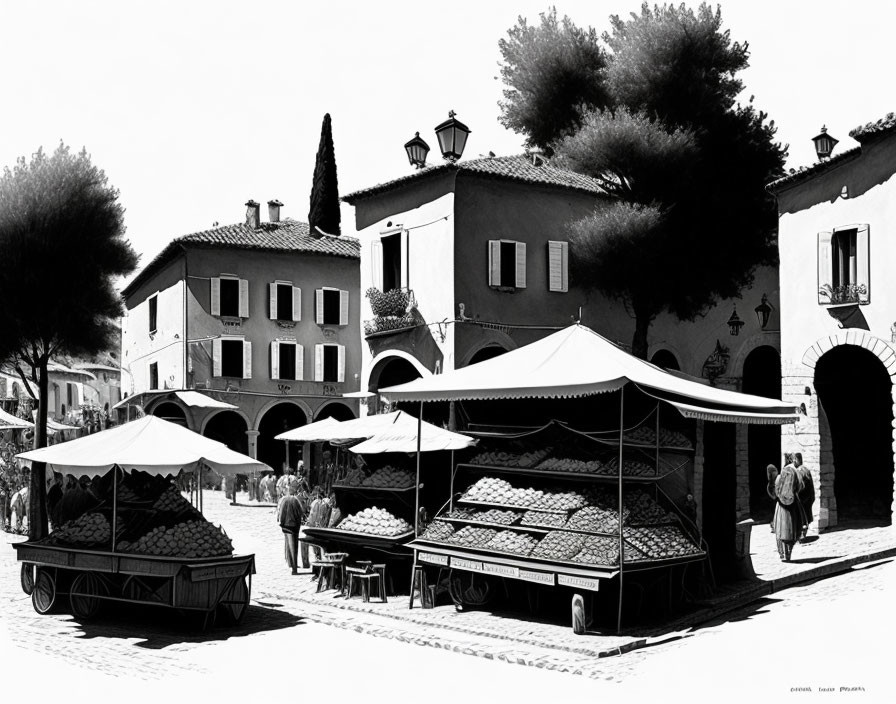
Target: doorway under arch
{"x": 337, "y": 411}
{"x": 855, "y": 399}
{"x": 392, "y": 371}
{"x": 488, "y": 352}
{"x": 230, "y": 428}
{"x": 278, "y": 418}
{"x": 664, "y": 359}
{"x": 171, "y": 412}
{"x": 762, "y": 377}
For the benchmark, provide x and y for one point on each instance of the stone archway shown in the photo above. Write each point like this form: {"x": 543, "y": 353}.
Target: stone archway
{"x": 761, "y": 377}
{"x": 487, "y": 352}
{"x": 334, "y": 409}
{"x": 172, "y": 412}
{"x": 665, "y": 359}
{"x": 278, "y": 418}
{"x": 230, "y": 428}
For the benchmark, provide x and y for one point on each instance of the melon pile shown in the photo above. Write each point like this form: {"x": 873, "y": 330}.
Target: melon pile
{"x": 89, "y": 529}
{"x": 197, "y": 538}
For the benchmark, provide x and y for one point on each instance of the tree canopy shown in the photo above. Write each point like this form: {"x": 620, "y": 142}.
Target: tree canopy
{"x": 62, "y": 246}
{"x": 324, "y": 213}
{"x": 685, "y": 164}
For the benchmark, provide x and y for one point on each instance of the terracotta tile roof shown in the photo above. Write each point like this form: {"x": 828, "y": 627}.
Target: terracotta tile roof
{"x": 514, "y": 168}
{"x": 284, "y": 236}
{"x": 806, "y": 172}
{"x": 865, "y": 133}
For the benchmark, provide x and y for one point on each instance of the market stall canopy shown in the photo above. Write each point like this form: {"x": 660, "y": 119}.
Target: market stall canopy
{"x": 318, "y": 431}
{"x": 198, "y": 400}
{"x": 7, "y": 421}
{"x": 54, "y": 425}
{"x": 401, "y": 436}
{"x": 148, "y": 444}
{"x": 576, "y": 361}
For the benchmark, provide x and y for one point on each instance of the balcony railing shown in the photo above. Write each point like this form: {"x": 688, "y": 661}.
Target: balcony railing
{"x": 392, "y": 310}
{"x": 848, "y": 293}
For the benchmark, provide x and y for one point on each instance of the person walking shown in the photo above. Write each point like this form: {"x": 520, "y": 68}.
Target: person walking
{"x": 807, "y": 493}
{"x": 290, "y": 516}
{"x": 318, "y": 515}
{"x": 771, "y": 474}
{"x": 787, "y": 520}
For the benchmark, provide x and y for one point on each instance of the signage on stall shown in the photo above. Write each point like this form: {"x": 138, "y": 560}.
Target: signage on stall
{"x": 579, "y": 582}
{"x": 537, "y": 577}
{"x": 434, "y": 559}
{"x": 501, "y": 570}
{"x": 469, "y": 565}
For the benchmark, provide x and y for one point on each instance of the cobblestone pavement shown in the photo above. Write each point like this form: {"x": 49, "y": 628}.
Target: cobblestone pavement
{"x": 281, "y": 601}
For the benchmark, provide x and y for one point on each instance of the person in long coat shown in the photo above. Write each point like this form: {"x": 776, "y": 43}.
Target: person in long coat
{"x": 788, "y": 518}
{"x": 807, "y": 492}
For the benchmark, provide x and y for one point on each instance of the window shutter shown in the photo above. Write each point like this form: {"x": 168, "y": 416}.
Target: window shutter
{"x": 247, "y": 359}
{"x": 558, "y": 263}
{"x": 216, "y": 357}
{"x": 494, "y": 263}
{"x": 405, "y": 259}
{"x": 319, "y": 306}
{"x": 825, "y": 265}
{"x": 275, "y": 360}
{"x": 318, "y": 362}
{"x": 340, "y": 351}
{"x": 376, "y": 264}
{"x": 216, "y": 296}
{"x": 244, "y": 299}
{"x": 863, "y": 262}
{"x": 272, "y": 290}
{"x": 296, "y": 303}
{"x": 343, "y": 307}
{"x": 300, "y": 362}
{"x": 520, "y": 265}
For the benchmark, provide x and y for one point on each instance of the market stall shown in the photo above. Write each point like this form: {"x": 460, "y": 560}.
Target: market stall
{"x": 574, "y": 540}
{"x": 135, "y": 538}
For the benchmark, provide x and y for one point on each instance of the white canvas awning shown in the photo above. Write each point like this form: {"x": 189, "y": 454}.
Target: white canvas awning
{"x": 7, "y": 421}
{"x": 318, "y": 431}
{"x": 576, "y": 361}
{"x": 198, "y": 400}
{"x": 148, "y": 444}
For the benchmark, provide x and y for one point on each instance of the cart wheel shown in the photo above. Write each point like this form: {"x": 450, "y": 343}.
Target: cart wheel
{"x": 28, "y": 569}
{"x": 87, "y": 595}
{"x": 234, "y": 602}
{"x": 43, "y": 597}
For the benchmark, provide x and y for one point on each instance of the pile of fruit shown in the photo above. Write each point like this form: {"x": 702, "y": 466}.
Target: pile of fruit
{"x": 389, "y": 478}
{"x": 558, "y": 545}
{"x": 647, "y": 436}
{"x": 542, "y": 519}
{"x": 197, "y": 538}
{"x": 558, "y": 501}
{"x": 375, "y": 521}
{"x": 472, "y": 537}
{"x": 643, "y": 510}
{"x": 126, "y": 494}
{"x": 89, "y": 529}
{"x": 461, "y": 513}
{"x": 594, "y": 519}
{"x": 490, "y": 490}
{"x": 560, "y": 464}
{"x": 661, "y": 542}
{"x": 498, "y": 491}
{"x": 438, "y": 531}
{"x": 598, "y": 550}
{"x": 171, "y": 500}
{"x": 354, "y": 478}
{"x": 630, "y": 468}
{"x": 496, "y": 515}
{"x": 512, "y": 542}
{"x": 523, "y": 460}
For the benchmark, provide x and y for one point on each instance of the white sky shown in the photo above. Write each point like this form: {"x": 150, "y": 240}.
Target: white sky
{"x": 192, "y": 108}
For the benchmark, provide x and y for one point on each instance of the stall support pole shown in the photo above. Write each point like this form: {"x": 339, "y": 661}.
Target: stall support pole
{"x": 621, "y": 546}
{"x": 451, "y": 495}
{"x": 417, "y": 485}
{"x": 114, "y": 503}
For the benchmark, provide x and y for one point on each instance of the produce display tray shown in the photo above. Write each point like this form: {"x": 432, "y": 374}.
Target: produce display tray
{"x": 350, "y": 536}
{"x": 473, "y": 502}
{"x": 359, "y": 487}
{"x": 499, "y": 526}
{"x": 576, "y": 476}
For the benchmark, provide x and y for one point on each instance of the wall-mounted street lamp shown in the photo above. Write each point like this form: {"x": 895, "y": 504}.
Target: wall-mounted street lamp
{"x": 452, "y": 135}
{"x": 824, "y": 144}
{"x": 735, "y": 323}
{"x": 763, "y": 312}
{"x": 417, "y": 150}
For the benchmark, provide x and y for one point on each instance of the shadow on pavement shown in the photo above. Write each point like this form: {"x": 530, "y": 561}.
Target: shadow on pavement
{"x": 814, "y": 560}
{"x": 157, "y": 628}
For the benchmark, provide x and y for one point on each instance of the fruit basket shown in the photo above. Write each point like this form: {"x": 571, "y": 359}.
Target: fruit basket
{"x": 375, "y": 521}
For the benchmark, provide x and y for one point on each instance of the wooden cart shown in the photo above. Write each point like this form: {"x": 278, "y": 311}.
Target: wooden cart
{"x": 207, "y": 587}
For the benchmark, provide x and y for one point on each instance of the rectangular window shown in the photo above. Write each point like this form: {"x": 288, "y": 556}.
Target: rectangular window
{"x": 153, "y": 380}
{"x": 153, "y": 313}
{"x": 506, "y": 264}
{"x": 331, "y": 306}
{"x": 230, "y": 298}
{"x": 558, "y": 266}
{"x": 329, "y": 363}
{"x": 286, "y": 360}
{"x": 391, "y": 262}
{"x": 844, "y": 265}
{"x": 232, "y": 358}
{"x": 284, "y": 302}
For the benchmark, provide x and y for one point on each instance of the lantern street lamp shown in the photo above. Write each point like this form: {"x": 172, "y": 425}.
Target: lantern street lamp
{"x": 417, "y": 150}
{"x": 824, "y": 144}
{"x": 735, "y": 323}
{"x": 452, "y": 135}
{"x": 763, "y": 312}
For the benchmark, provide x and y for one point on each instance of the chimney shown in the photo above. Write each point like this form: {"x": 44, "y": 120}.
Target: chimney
{"x": 274, "y": 210}
{"x": 252, "y": 216}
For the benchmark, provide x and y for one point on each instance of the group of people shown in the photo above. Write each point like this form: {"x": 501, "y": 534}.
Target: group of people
{"x": 296, "y": 510}
{"x": 793, "y": 492}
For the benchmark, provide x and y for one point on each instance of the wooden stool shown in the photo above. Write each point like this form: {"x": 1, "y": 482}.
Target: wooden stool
{"x": 364, "y": 577}
{"x": 418, "y": 583}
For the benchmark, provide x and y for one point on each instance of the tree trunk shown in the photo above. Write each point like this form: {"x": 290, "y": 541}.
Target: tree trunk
{"x": 37, "y": 501}
{"x": 639, "y": 339}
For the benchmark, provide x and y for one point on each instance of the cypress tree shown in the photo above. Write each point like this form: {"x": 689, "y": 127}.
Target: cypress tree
{"x": 324, "y": 214}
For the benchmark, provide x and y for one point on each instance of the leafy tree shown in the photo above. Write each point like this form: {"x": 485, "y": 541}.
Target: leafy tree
{"x": 552, "y": 72}
{"x": 62, "y": 245}
{"x": 324, "y": 214}
{"x": 684, "y": 163}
